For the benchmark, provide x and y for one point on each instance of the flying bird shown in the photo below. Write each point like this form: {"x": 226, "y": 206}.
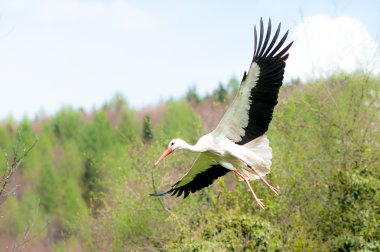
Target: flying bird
{"x": 239, "y": 143}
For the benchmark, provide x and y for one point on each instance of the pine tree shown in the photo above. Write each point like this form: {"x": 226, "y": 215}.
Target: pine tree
{"x": 192, "y": 94}
{"x": 48, "y": 187}
{"x": 220, "y": 94}
{"x": 147, "y": 129}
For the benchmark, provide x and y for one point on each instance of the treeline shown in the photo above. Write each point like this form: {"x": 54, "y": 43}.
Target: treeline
{"x": 85, "y": 184}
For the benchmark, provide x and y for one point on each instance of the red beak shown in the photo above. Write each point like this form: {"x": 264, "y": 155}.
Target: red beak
{"x": 166, "y": 152}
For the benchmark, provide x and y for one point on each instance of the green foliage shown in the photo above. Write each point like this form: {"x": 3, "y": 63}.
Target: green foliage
{"x": 25, "y": 131}
{"x": 328, "y": 125}
{"x": 325, "y": 140}
{"x": 4, "y": 139}
{"x": 97, "y": 138}
{"x": 179, "y": 120}
{"x": 125, "y": 120}
{"x": 4, "y": 144}
{"x": 8, "y": 221}
{"x": 220, "y": 94}
{"x": 70, "y": 162}
{"x": 22, "y": 138}
{"x": 147, "y": 129}
{"x": 17, "y": 215}
{"x": 128, "y": 127}
{"x": 118, "y": 101}
{"x": 233, "y": 86}
{"x": 192, "y": 94}
{"x": 74, "y": 209}
{"x": 226, "y": 231}
{"x": 48, "y": 188}
{"x": 67, "y": 124}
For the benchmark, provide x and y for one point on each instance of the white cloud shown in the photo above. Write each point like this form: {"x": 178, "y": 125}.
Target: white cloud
{"x": 323, "y": 45}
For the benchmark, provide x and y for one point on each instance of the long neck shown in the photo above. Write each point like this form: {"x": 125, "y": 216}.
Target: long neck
{"x": 193, "y": 148}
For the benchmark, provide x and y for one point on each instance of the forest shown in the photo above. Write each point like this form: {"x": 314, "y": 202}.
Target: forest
{"x": 80, "y": 180}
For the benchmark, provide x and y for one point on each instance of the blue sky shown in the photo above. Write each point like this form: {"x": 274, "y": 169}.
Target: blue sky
{"x": 80, "y": 53}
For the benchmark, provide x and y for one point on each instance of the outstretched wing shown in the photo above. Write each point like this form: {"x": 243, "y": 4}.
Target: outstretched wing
{"x": 251, "y": 111}
{"x": 203, "y": 173}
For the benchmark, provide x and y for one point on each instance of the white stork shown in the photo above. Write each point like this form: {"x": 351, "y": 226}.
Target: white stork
{"x": 239, "y": 143}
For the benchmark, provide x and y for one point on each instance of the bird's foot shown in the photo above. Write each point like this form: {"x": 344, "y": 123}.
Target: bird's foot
{"x": 274, "y": 189}
{"x": 260, "y": 202}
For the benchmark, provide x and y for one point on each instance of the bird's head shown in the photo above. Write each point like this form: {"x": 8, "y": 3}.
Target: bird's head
{"x": 175, "y": 144}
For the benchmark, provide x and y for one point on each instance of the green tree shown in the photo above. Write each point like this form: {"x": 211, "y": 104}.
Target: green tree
{"x": 147, "y": 129}
{"x": 192, "y": 94}
{"x": 67, "y": 124}
{"x": 70, "y": 164}
{"x": 74, "y": 210}
{"x": 233, "y": 86}
{"x": 180, "y": 120}
{"x": 26, "y": 133}
{"x": 97, "y": 138}
{"x": 4, "y": 144}
{"x": 220, "y": 94}
{"x": 4, "y": 139}
{"x": 118, "y": 101}
{"x": 128, "y": 127}
{"x": 48, "y": 188}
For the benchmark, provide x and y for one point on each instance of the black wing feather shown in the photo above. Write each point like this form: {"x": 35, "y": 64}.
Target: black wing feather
{"x": 266, "y": 38}
{"x": 273, "y": 40}
{"x": 255, "y": 37}
{"x": 261, "y": 36}
{"x": 200, "y": 181}
{"x": 265, "y": 93}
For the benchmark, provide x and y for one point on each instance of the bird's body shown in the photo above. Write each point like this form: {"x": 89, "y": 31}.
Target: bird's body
{"x": 225, "y": 151}
{"x": 239, "y": 143}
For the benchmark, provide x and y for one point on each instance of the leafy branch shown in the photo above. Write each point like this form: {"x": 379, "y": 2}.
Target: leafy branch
{"x": 12, "y": 166}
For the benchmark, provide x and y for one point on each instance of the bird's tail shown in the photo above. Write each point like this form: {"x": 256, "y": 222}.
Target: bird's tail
{"x": 263, "y": 161}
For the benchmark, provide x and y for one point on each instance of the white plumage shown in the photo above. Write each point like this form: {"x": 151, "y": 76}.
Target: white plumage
{"x": 236, "y": 118}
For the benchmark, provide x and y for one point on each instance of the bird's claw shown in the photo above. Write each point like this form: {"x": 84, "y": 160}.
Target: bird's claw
{"x": 274, "y": 189}
{"x": 260, "y": 203}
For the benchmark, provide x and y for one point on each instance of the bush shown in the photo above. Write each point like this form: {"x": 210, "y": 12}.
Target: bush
{"x": 325, "y": 138}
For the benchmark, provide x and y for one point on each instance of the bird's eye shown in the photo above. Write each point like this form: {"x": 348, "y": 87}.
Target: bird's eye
{"x": 172, "y": 143}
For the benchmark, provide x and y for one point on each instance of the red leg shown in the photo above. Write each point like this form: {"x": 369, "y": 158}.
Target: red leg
{"x": 259, "y": 201}
{"x": 274, "y": 189}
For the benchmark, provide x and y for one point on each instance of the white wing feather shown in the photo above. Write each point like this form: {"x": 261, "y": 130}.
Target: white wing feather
{"x": 236, "y": 118}
{"x": 201, "y": 164}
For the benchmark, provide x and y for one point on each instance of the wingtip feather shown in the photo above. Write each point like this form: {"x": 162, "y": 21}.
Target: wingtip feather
{"x": 158, "y": 194}
{"x": 161, "y": 194}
